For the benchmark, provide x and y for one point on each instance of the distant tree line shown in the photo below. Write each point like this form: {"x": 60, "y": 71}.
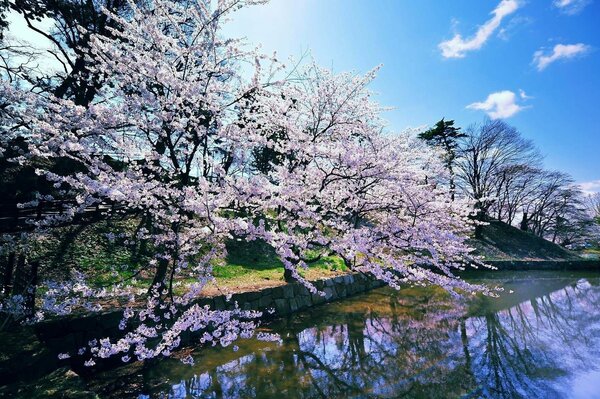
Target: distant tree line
{"x": 501, "y": 171}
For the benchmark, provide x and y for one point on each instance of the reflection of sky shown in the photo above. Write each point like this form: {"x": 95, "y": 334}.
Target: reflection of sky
{"x": 586, "y": 386}
{"x": 541, "y": 347}
{"x": 548, "y": 345}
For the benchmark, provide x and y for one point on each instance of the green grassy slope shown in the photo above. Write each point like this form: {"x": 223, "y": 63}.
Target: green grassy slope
{"x": 504, "y": 242}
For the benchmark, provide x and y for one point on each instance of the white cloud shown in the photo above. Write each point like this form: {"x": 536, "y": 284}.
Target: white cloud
{"x": 571, "y": 6}
{"x": 457, "y": 47}
{"x": 560, "y": 51}
{"x": 499, "y": 105}
{"x": 515, "y": 24}
{"x": 524, "y": 95}
{"x": 590, "y": 187}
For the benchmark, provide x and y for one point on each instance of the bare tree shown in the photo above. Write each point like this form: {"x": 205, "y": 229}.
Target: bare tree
{"x": 489, "y": 156}
{"x": 593, "y": 206}
{"x": 546, "y": 202}
{"x": 555, "y": 208}
{"x": 520, "y": 182}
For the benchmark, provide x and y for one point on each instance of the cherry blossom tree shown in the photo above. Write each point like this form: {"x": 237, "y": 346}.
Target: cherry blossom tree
{"x": 200, "y": 139}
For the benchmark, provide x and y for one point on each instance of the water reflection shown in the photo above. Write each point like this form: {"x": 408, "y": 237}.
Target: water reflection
{"x": 542, "y": 341}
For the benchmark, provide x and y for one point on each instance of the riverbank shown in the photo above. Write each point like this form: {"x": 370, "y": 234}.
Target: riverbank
{"x": 274, "y": 299}
{"x": 562, "y": 265}
{"x": 35, "y": 349}
{"x": 539, "y": 338}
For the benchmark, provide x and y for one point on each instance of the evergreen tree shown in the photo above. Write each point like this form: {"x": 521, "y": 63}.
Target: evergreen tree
{"x": 445, "y": 136}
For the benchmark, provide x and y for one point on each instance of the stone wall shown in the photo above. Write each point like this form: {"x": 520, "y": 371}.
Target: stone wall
{"x": 294, "y": 297}
{"x": 68, "y": 334}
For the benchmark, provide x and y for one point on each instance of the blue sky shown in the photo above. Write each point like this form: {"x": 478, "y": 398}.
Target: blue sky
{"x": 535, "y": 63}
{"x": 562, "y": 84}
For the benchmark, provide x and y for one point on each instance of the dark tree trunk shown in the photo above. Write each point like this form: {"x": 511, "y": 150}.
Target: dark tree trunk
{"x": 160, "y": 276}
{"x": 524, "y": 222}
{"x": 479, "y": 217}
{"x": 32, "y": 288}
{"x": 287, "y": 276}
{"x": 9, "y": 267}
{"x": 478, "y": 231}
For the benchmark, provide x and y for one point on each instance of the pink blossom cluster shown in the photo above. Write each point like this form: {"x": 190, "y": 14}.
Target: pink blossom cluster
{"x": 180, "y": 133}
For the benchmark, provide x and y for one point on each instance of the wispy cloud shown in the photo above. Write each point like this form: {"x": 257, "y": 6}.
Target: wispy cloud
{"x": 559, "y": 52}
{"x": 524, "y": 95}
{"x": 457, "y": 47}
{"x": 499, "y": 105}
{"x": 515, "y": 24}
{"x": 571, "y": 7}
{"x": 590, "y": 187}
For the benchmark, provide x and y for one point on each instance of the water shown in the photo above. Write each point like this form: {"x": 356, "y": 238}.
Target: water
{"x": 540, "y": 341}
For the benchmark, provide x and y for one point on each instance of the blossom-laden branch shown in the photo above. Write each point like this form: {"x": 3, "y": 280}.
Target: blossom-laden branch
{"x": 184, "y": 137}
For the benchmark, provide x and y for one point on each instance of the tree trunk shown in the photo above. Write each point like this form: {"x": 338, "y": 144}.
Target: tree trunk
{"x": 160, "y": 276}
{"x": 478, "y": 231}
{"x": 287, "y": 276}
{"x": 8, "y": 273}
{"x": 31, "y": 289}
{"x": 524, "y": 222}
{"x": 479, "y": 217}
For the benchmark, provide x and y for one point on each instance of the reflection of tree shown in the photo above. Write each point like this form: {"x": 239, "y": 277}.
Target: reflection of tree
{"x": 526, "y": 346}
{"x": 393, "y": 346}
{"x": 418, "y": 344}
{"x": 505, "y": 365}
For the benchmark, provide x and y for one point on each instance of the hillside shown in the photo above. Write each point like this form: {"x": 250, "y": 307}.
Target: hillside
{"x": 504, "y": 242}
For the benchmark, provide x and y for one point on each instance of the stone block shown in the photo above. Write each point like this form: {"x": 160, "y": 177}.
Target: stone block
{"x": 282, "y": 306}
{"x": 219, "y": 302}
{"x": 302, "y": 291}
{"x": 329, "y": 293}
{"x": 317, "y": 299}
{"x": 253, "y": 295}
{"x": 288, "y": 291}
{"x": 264, "y": 301}
{"x": 278, "y": 292}
{"x": 338, "y": 280}
{"x": 204, "y": 301}
{"x": 306, "y": 301}
{"x": 239, "y": 298}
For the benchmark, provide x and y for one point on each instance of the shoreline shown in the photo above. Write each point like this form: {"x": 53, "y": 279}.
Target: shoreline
{"x": 66, "y": 334}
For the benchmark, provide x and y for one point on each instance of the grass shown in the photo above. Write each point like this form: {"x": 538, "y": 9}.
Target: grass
{"x": 591, "y": 253}
{"x": 252, "y": 265}
{"x": 247, "y": 266}
{"x": 504, "y": 242}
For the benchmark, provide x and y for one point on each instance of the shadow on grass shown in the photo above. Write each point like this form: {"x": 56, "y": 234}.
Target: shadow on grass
{"x": 260, "y": 259}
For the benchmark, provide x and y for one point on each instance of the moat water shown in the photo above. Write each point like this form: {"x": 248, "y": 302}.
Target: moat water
{"x": 539, "y": 339}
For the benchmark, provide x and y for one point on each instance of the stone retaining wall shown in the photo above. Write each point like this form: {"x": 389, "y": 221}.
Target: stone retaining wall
{"x": 295, "y": 297}
{"x": 68, "y": 334}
